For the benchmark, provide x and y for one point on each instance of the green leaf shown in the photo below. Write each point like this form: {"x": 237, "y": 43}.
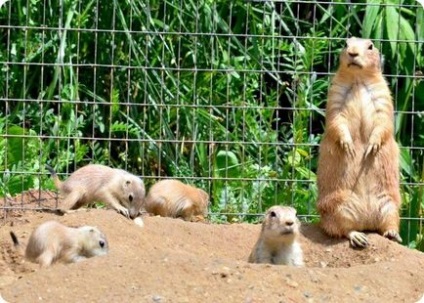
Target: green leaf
{"x": 15, "y": 145}
{"x": 370, "y": 18}
{"x": 406, "y": 162}
{"x": 392, "y": 27}
{"x": 227, "y": 164}
{"x": 407, "y": 33}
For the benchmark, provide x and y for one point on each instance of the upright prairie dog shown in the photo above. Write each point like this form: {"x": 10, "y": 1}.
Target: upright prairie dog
{"x": 172, "y": 198}
{"x": 358, "y": 167}
{"x": 54, "y": 242}
{"x": 98, "y": 183}
{"x": 277, "y": 243}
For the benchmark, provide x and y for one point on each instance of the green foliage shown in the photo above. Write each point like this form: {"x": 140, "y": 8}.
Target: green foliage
{"x": 225, "y": 95}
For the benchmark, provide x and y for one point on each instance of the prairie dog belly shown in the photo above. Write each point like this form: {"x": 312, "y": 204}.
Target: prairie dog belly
{"x": 360, "y": 110}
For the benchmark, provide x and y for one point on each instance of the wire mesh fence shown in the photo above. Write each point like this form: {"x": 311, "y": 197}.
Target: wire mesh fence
{"x": 228, "y": 96}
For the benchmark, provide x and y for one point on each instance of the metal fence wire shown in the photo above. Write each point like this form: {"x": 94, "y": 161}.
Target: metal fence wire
{"x": 227, "y": 95}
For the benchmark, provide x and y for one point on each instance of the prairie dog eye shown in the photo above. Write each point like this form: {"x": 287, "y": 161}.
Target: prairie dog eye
{"x": 130, "y": 197}
{"x": 272, "y": 214}
{"x": 370, "y": 47}
{"x": 101, "y": 243}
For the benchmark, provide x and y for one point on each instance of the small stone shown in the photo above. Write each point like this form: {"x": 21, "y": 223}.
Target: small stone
{"x": 323, "y": 264}
{"x": 292, "y": 283}
{"x": 157, "y": 298}
{"x": 359, "y": 287}
{"x": 139, "y": 222}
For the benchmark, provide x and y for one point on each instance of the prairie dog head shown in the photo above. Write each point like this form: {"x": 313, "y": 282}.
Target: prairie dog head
{"x": 133, "y": 194}
{"x": 204, "y": 199}
{"x": 360, "y": 55}
{"x": 281, "y": 223}
{"x": 93, "y": 241}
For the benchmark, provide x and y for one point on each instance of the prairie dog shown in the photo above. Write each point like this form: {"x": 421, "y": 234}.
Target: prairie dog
{"x": 117, "y": 188}
{"x": 172, "y": 198}
{"x": 52, "y": 242}
{"x": 358, "y": 166}
{"x": 277, "y": 243}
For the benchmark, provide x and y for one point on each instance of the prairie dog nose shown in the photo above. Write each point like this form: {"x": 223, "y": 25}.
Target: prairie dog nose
{"x": 352, "y": 53}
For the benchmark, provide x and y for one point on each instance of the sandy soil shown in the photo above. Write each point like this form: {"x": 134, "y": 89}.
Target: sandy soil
{"x": 169, "y": 260}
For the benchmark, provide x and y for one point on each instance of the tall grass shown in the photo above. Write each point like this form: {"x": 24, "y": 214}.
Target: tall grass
{"x": 226, "y": 95}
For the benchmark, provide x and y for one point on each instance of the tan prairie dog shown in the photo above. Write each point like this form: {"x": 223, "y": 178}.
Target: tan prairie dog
{"x": 172, "y": 198}
{"x": 278, "y": 240}
{"x": 358, "y": 167}
{"x": 117, "y": 188}
{"x": 54, "y": 242}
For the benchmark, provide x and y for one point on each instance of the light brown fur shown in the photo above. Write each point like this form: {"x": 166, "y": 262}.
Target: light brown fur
{"x": 278, "y": 240}
{"x": 172, "y": 198}
{"x": 98, "y": 183}
{"x": 358, "y": 167}
{"x": 54, "y": 242}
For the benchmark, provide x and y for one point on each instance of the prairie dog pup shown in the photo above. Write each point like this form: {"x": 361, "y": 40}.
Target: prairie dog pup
{"x": 51, "y": 242}
{"x": 277, "y": 243}
{"x": 358, "y": 167}
{"x": 172, "y": 198}
{"x": 98, "y": 183}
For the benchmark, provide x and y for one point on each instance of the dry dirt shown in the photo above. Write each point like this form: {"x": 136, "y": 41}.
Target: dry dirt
{"x": 169, "y": 260}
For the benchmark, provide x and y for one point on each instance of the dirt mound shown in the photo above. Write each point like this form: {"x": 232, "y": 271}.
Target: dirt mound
{"x": 169, "y": 260}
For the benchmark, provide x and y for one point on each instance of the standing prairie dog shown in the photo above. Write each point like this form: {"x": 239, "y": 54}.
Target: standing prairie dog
{"x": 98, "y": 183}
{"x": 358, "y": 167}
{"x": 278, "y": 240}
{"x": 54, "y": 242}
{"x": 172, "y": 198}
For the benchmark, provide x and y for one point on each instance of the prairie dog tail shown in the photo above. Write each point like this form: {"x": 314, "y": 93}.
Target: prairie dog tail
{"x": 14, "y": 239}
{"x": 19, "y": 248}
{"x": 56, "y": 180}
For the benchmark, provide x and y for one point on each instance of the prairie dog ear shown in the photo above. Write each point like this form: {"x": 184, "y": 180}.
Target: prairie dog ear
{"x": 204, "y": 196}
{"x": 127, "y": 182}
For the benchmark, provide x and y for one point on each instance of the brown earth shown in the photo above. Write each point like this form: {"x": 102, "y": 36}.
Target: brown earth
{"x": 169, "y": 260}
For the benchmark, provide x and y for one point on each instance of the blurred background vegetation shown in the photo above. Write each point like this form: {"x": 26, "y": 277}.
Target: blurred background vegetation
{"x": 227, "y": 95}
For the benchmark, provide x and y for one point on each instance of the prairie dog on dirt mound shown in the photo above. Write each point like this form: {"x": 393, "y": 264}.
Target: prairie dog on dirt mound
{"x": 98, "y": 183}
{"x": 358, "y": 167}
{"x": 278, "y": 240}
{"x": 172, "y": 198}
{"x": 54, "y": 242}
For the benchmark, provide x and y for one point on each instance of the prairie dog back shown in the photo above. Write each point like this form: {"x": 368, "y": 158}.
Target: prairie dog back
{"x": 278, "y": 240}
{"x": 358, "y": 166}
{"x": 54, "y": 242}
{"x": 172, "y": 198}
{"x": 117, "y": 188}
